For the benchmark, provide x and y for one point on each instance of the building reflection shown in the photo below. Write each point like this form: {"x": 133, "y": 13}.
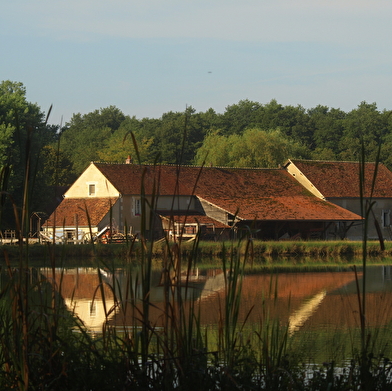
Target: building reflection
{"x": 300, "y": 300}
{"x": 83, "y": 294}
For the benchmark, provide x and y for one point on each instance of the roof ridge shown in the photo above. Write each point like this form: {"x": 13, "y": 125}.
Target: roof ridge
{"x": 185, "y": 165}
{"x": 331, "y": 161}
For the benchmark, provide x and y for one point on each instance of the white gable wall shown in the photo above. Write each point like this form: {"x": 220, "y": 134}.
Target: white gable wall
{"x": 91, "y": 176}
{"x": 382, "y": 209}
{"x": 302, "y": 179}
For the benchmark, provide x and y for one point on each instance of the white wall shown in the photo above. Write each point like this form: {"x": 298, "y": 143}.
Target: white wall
{"x": 80, "y": 188}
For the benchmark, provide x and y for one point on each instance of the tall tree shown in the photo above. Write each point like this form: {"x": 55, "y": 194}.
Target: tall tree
{"x": 177, "y": 137}
{"x": 365, "y": 123}
{"x": 86, "y": 134}
{"x": 23, "y": 133}
{"x": 126, "y": 141}
{"x": 254, "y": 148}
{"x": 328, "y": 127}
{"x": 238, "y": 117}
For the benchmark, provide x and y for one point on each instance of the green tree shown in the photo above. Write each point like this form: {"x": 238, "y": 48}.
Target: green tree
{"x": 386, "y": 144}
{"x": 55, "y": 168}
{"x": 120, "y": 145}
{"x": 23, "y": 133}
{"x": 178, "y": 136}
{"x": 292, "y": 121}
{"x": 254, "y": 148}
{"x": 238, "y": 117}
{"x": 214, "y": 150}
{"x": 209, "y": 120}
{"x": 85, "y": 135}
{"x": 20, "y": 122}
{"x": 328, "y": 127}
{"x": 365, "y": 123}
{"x": 54, "y": 175}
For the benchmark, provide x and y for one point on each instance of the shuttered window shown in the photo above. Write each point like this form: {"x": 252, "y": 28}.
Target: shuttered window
{"x": 91, "y": 189}
{"x": 386, "y": 217}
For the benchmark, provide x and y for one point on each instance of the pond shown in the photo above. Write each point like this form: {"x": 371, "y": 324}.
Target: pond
{"x": 319, "y": 309}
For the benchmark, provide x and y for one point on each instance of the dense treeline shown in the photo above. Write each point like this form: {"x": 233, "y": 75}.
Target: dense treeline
{"x": 31, "y": 167}
{"x": 247, "y": 134}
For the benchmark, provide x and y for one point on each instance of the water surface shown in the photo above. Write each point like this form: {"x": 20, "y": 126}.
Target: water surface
{"x": 319, "y": 308}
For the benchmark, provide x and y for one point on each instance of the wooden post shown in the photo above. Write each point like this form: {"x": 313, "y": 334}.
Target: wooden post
{"x": 39, "y": 229}
{"x": 77, "y": 228}
{"x": 54, "y": 228}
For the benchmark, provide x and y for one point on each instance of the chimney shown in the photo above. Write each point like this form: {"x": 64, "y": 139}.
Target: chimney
{"x": 128, "y": 160}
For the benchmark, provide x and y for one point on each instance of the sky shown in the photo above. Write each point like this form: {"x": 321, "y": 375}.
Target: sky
{"x": 148, "y": 57}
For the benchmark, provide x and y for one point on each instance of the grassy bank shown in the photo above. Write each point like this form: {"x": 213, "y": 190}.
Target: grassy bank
{"x": 320, "y": 251}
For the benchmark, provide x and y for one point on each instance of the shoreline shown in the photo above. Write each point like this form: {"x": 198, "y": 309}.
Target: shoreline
{"x": 261, "y": 251}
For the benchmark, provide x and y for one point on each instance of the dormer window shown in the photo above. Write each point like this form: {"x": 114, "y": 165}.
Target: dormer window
{"x": 91, "y": 189}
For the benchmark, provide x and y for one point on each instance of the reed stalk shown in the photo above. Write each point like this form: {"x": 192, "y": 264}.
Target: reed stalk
{"x": 366, "y": 203}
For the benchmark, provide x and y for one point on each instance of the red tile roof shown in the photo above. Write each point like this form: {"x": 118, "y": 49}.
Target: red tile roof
{"x": 95, "y": 208}
{"x": 128, "y": 178}
{"x": 341, "y": 179}
{"x": 79, "y": 284}
{"x": 268, "y": 194}
{"x": 295, "y": 207}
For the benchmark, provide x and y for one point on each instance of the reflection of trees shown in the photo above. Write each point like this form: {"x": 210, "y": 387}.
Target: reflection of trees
{"x": 40, "y": 291}
{"x": 34, "y": 323}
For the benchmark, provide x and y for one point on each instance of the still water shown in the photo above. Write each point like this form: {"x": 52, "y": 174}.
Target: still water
{"x": 312, "y": 304}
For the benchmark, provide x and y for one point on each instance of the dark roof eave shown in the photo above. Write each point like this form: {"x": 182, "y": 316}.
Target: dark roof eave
{"x": 308, "y": 220}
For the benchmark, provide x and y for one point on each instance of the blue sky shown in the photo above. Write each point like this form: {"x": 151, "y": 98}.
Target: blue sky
{"x": 152, "y": 56}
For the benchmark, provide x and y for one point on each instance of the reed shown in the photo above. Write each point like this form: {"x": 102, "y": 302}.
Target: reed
{"x": 366, "y": 199}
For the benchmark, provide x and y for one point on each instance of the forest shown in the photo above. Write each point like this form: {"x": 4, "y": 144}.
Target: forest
{"x": 246, "y": 134}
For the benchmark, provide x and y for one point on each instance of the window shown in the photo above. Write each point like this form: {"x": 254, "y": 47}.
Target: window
{"x": 386, "y": 218}
{"x": 136, "y": 207}
{"x": 91, "y": 189}
{"x": 190, "y": 229}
